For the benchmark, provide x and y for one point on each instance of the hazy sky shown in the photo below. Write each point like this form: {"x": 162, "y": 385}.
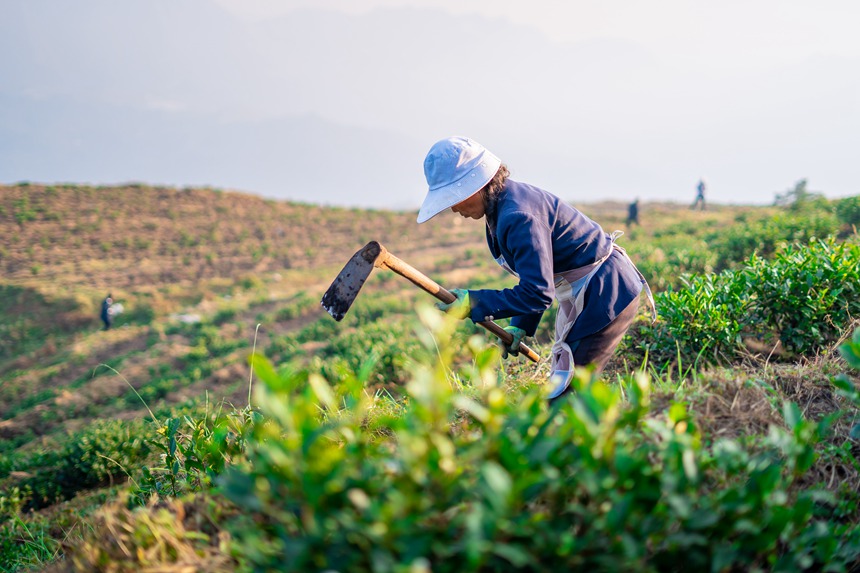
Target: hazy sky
{"x": 337, "y": 101}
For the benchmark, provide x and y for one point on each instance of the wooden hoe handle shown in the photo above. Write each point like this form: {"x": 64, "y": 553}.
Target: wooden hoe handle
{"x": 419, "y": 279}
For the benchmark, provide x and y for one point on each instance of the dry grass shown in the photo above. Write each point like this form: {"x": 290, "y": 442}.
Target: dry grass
{"x": 170, "y": 536}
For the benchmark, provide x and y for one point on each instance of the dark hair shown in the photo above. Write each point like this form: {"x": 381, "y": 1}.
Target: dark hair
{"x": 490, "y": 193}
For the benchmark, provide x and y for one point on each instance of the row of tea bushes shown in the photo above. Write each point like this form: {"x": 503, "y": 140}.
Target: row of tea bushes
{"x": 484, "y": 481}
{"x": 803, "y": 298}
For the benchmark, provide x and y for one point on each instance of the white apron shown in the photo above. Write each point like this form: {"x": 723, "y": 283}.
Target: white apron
{"x": 570, "y": 289}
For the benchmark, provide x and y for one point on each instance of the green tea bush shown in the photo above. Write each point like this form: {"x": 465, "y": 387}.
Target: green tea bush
{"x": 850, "y": 350}
{"x": 224, "y": 316}
{"x": 7, "y": 465}
{"x": 282, "y": 348}
{"x": 764, "y": 237}
{"x": 106, "y": 451}
{"x": 194, "y": 449}
{"x": 665, "y": 259}
{"x": 297, "y": 306}
{"x": 701, "y": 320}
{"x": 328, "y": 477}
{"x": 803, "y": 298}
{"x": 208, "y": 342}
{"x": 383, "y": 339}
{"x": 848, "y": 211}
{"x": 807, "y": 294}
{"x": 591, "y": 483}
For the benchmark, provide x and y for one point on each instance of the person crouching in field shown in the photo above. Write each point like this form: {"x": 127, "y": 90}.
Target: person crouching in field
{"x": 553, "y": 249}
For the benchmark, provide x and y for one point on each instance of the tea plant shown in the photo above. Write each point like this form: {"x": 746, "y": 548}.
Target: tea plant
{"x": 764, "y": 237}
{"x": 803, "y": 298}
{"x": 807, "y": 294}
{"x": 850, "y": 350}
{"x": 194, "y": 449}
{"x": 378, "y": 445}
{"x": 704, "y": 318}
{"x": 109, "y": 450}
{"x": 297, "y": 306}
{"x": 384, "y": 340}
{"x": 848, "y": 211}
{"x": 593, "y": 482}
{"x": 668, "y": 257}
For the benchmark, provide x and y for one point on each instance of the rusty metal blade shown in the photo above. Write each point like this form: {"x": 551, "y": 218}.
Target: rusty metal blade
{"x": 342, "y": 292}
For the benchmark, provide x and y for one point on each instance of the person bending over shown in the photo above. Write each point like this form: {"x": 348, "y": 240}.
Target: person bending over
{"x": 554, "y": 250}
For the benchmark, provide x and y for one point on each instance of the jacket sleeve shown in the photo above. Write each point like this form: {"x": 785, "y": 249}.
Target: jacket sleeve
{"x": 528, "y": 322}
{"x": 529, "y": 242}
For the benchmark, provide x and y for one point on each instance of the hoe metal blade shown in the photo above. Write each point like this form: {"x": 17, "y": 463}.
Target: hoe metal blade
{"x": 342, "y": 292}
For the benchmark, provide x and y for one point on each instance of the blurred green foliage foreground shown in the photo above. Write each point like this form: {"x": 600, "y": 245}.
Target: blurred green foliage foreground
{"x": 324, "y": 476}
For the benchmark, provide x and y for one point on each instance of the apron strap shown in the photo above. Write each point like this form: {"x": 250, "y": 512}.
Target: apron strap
{"x": 570, "y": 306}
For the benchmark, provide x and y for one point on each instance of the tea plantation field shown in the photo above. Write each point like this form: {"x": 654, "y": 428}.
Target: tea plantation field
{"x": 226, "y": 423}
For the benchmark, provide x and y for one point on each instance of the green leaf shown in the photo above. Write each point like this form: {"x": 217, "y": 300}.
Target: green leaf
{"x": 517, "y": 556}
{"x": 367, "y": 367}
{"x": 851, "y": 351}
{"x": 677, "y": 412}
{"x": 322, "y": 391}
{"x": 266, "y": 372}
{"x": 702, "y": 519}
{"x": 499, "y": 484}
{"x": 792, "y": 414}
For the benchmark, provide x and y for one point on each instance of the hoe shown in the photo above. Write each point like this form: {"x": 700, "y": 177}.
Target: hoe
{"x": 342, "y": 292}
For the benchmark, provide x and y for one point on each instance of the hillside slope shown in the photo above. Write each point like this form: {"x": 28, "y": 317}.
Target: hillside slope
{"x": 204, "y": 277}
{"x": 174, "y": 258}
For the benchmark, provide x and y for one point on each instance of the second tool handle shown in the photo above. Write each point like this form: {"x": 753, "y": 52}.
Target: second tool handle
{"x": 419, "y": 279}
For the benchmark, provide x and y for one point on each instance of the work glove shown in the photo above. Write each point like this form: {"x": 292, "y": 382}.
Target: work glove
{"x": 460, "y": 308}
{"x": 514, "y": 348}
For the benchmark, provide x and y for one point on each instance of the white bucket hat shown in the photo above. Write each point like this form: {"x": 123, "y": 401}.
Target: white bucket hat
{"x": 456, "y": 168}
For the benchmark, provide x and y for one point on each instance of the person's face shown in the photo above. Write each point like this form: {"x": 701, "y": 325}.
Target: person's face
{"x": 471, "y": 208}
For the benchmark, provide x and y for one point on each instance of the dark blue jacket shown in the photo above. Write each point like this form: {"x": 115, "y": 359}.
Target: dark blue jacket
{"x": 540, "y": 235}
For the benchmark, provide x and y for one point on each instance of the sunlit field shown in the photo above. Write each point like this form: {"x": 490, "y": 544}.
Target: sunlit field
{"x": 225, "y": 422}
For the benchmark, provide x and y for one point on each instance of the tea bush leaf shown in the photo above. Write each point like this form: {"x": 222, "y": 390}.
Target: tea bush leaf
{"x": 802, "y": 298}
{"x": 850, "y": 350}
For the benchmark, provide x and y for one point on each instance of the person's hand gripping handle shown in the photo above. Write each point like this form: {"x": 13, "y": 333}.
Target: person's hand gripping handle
{"x": 419, "y": 279}
{"x": 511, "y": 336}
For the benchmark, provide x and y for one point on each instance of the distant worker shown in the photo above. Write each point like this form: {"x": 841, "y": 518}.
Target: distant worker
{"x": 700, "y": 196}
{"x": 633, "y": 213}
{"x": 106, "y": 313}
